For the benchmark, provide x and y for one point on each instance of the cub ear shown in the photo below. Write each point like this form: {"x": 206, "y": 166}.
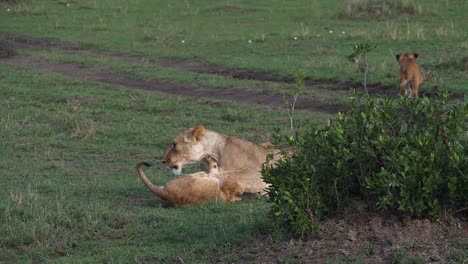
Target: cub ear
{"x": 398, "y": 57}
{"x": 198, "y": 132}
{"x": 214, "y": 158}
{"x": 217, "y": 160}
{"x": 415, "y": 55}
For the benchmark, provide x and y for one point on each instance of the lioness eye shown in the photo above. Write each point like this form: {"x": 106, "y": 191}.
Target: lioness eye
{"x": 173, "y": 145}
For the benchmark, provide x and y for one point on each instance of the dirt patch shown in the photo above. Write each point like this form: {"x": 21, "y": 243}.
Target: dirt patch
{"x": 230, "y": 9}
{"x": 21, "y": 42}
{"x": 6, "y": 50}
{"x": 364, "y": 237}
{"x": 107, "y": 77}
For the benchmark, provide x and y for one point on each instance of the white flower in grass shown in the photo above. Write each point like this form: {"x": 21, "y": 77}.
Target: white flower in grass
{"x": 68, "y": 4}
{"x": 8, "y": 10}
{"x": 295, "y": 38}
{"x": 331, "y": 31}
{"x": 183, "y": 41}
{"x": 343, "y": 32}
{"x": 318, "y": 35}
{"x": 250, "y": 41}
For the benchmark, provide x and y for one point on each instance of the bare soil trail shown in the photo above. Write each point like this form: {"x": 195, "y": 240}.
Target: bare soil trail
{"x": 14, "y": 42}
{"x": 191, "y": 65}
{"x": 108, "y": 77}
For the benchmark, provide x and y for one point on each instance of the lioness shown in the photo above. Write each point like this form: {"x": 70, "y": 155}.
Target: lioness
{"x": 410, "y": 76}
{"x": 192, "y": 189}
{"x": 234, "y": 154}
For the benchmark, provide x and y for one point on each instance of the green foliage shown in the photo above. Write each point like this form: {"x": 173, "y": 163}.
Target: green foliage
{"x": 407, "y": 155}
{"x": 299, "y": 78}
{"x": 360, "y": 51}
{"x": 359, "y": 57}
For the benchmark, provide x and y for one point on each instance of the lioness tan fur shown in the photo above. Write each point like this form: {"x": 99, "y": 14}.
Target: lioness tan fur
{"x": 193, "y": 189}
{"x": 410, "y": 76}
{"x": 234, "y": 154}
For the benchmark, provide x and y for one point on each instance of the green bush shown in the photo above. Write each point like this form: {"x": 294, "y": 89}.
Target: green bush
{"x": 406, "y": 155}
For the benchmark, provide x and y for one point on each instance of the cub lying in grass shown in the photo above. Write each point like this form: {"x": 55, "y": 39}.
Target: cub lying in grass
{"x": 195, "y": 188}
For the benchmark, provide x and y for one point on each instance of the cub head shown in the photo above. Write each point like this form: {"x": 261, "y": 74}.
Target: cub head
{"x": 184, "y": 149}
{"x": 210, "y": 164}
{"x": 404, "y": 58}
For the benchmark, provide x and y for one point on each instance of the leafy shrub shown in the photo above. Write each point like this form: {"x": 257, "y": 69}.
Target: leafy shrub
{"x": 406, "y": 155}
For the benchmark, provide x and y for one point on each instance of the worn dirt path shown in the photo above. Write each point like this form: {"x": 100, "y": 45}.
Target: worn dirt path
{"x": 108, "y": 77}
{"x": 307, "y": 102}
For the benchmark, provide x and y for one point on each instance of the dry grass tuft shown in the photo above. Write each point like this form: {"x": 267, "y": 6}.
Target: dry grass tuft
{"x": 395, "y": 31}
{"x": 380, "y": 9}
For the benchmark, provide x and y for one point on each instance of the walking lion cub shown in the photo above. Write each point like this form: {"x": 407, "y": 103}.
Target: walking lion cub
{"x": 410, "y": 76}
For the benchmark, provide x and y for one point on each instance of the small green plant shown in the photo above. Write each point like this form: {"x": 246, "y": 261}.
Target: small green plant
{"x": 300, "y": 84}
{"x": 401, "y": 155}
{"x": 359, "y": 58}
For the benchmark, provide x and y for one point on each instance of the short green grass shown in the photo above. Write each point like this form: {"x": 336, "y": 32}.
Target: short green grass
{"x": 140, "y": 70}
{"x": 276, "y": 36}
{"x": 69, "y": 151}
{"x": 68, "y": 148}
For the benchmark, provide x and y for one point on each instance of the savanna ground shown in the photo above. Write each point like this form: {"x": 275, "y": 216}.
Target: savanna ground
{"x": 73, "y": 126}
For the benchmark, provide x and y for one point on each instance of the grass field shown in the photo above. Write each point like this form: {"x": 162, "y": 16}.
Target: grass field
{"x": 69, "y": 145}
{"x": 275, "y": 36}
{"x": 68, "y": 155}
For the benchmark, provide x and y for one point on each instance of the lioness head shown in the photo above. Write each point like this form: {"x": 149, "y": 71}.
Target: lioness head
{"x": 404, "y": 58}
{"x": 184, "y": 149}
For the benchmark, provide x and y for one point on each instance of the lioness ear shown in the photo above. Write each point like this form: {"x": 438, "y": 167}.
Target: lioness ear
{"x": 198, "y": 132}
{"x": 398, "y": 57}
{"x": 415, "y": 55}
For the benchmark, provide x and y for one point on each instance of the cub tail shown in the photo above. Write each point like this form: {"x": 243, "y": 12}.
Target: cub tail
{"x": 161, "y": 193}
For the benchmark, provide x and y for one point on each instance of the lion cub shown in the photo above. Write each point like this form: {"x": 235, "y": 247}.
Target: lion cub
{"x": 195, "y": 188}
{"x": 228, "y": 184}
{"x": 410, "y": 76}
